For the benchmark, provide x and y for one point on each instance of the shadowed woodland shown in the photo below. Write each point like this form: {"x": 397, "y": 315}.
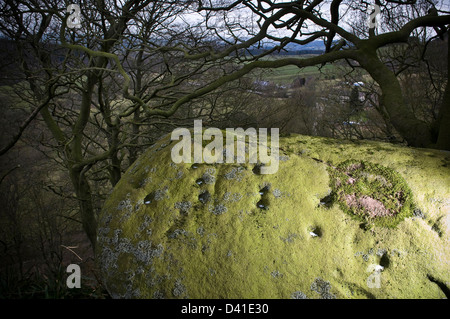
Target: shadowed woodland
{"x": 81, "y": 104}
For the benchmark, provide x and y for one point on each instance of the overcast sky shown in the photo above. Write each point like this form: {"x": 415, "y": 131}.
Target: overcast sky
{"x": 245, "y": 16}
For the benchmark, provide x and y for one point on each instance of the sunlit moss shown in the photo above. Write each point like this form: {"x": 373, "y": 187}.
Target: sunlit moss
{"x": 211, "y": 240}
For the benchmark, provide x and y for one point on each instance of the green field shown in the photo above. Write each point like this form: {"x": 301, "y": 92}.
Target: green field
{"x": 287, "y": 74}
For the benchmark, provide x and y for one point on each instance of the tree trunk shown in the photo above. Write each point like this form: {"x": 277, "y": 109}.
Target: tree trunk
{"x": 84, "y": 197}
{"x": 443, "y": 140}
{"x": 115, "y": 168}
{"x": 135, "y": 128}
{"x": 75, "y": 159}
{"x": 133, "y": 149}
{"x": 416, "y": 132}
{"x": 443, "y": 122}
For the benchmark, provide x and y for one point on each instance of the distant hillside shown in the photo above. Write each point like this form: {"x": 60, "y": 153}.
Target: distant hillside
{"x": 315, "y": 47}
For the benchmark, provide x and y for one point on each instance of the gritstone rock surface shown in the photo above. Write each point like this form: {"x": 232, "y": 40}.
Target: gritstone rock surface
{"x": 221, "y": 231}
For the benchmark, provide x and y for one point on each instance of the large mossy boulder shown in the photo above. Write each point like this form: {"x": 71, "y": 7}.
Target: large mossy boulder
{"x": 339, "y": 219}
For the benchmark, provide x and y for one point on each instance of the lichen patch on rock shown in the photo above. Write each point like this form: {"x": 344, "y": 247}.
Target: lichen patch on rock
{"x": 371, "y": 192}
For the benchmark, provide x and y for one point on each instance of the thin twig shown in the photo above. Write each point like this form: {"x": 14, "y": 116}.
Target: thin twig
{"x": 8, "y": 172}
{"x": 70, "y": 249}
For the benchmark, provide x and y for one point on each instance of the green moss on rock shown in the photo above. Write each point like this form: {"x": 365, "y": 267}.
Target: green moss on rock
{"x": 164, "y": 235}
